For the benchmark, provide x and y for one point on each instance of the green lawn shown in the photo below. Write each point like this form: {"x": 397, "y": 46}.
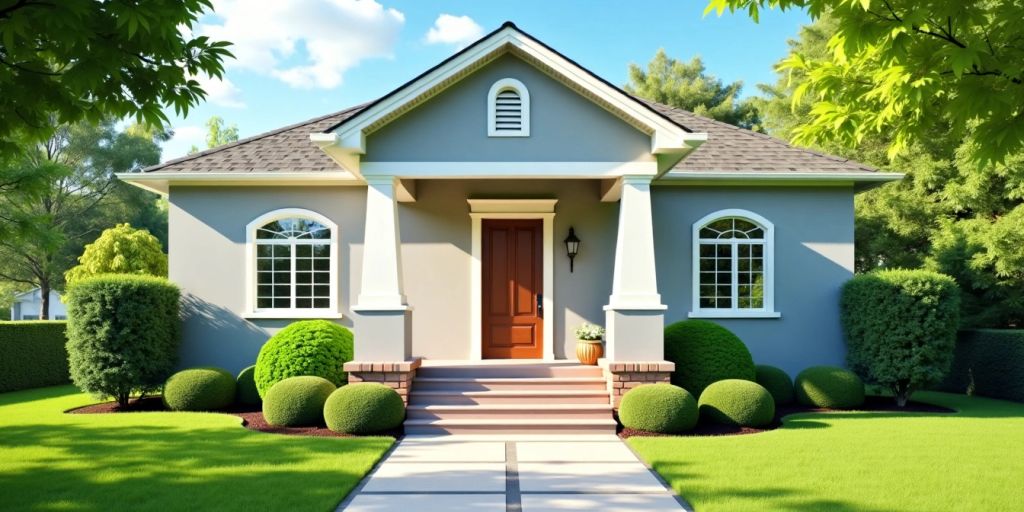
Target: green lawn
{"x": 164, "y": 461}
{"x": 971, "y": 460}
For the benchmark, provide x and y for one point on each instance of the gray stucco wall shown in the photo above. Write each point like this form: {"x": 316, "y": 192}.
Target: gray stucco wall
{"x": 452, "y": 126}
{"x": 813, "y": 258}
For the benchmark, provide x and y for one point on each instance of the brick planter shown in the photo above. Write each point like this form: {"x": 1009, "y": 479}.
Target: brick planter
{"x": 625, "y": 375}
{"x": 396, "y": 375}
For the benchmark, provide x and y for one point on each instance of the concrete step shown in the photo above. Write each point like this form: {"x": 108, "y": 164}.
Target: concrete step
{"x": 510, "y": 411}
{"x": 511, "y": 427}
{"x": 496, "y": 370}
{"x": 508, "y": 384}
{"x": 448, "y": 397}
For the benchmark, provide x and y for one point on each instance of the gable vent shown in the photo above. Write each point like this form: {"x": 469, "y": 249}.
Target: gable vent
{"x": 508, "y": 109}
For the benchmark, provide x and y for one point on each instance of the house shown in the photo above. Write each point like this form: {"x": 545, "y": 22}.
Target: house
{"x": 431, "y": 221}
{"x": 28, "y": 305}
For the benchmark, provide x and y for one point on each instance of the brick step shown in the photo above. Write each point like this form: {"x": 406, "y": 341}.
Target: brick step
{"x": 506, "y": 370}
{"x": 505, "y": 426}
{"x": 508, "y": 384}
{"x": 510, "y": 411}
{"x": 581, "y": 396}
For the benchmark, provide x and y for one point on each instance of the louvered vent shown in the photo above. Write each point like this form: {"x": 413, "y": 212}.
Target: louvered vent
{"x": 508, "y": 111}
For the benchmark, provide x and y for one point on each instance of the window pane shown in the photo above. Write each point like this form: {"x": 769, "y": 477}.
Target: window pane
{"x": 321, "y": 264}
{"x": 322, "y": 250}
{"x": 264, "y": 277}
{"x": 282, "y": 290}
{"x": 303, "y": 303}
{"x": 264, "y": 264}
{"x": 282, "y": 264}
{"x": 263, "y": 251}
{"x": 321, "y": 290}
{"x": 304, "y": 264}
{"x": 282, "y": 251}
{"x": 263, "y": 303}
{"x": 304, "y": 277}
{"x": 723, "y": 304}
{"x": 707, "y": 303}
{"x": 282, "y": 277}
{"x": 303, "y": 291}
{"x": 264, "y": 290}
{"x": 707, "y": 264}
{"x": 724, "y": 251}
{"x": 322, "y": 277}
{"x": 321, "y": 303}
{"x": 707, "y": 250}
{"x": 282, "y": 303}
{"x": 303, "y": 251}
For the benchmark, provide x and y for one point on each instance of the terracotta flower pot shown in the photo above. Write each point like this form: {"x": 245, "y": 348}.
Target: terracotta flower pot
{"x": 589, "y": 351}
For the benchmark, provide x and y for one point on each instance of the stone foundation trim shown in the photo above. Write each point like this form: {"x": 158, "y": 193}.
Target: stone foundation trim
{"x": 397, "y": 375}
{"x": 625, "y": 375}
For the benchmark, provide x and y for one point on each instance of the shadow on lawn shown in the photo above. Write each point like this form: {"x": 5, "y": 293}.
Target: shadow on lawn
{"x": 167, "y": 468}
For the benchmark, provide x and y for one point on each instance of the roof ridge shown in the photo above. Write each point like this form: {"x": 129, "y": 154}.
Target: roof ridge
{"x": 252, "y": 138}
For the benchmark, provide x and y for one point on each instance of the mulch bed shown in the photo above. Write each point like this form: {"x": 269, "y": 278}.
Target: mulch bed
{"x": 871, "y": 404}
{"x": 252, "y": 418}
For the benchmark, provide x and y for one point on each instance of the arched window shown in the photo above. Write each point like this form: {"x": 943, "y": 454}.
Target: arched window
{"x": 733, "y": 265}
{"x": 508, "y": 109}
{"x": 293, "y": 265}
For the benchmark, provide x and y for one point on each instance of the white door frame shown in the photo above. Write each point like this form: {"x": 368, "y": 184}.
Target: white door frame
{"x": 480, "y": 209}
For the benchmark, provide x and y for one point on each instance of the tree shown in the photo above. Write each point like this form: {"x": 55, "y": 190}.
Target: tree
{"x": 686, "y": 86}
{"x": 121, "y": 250}
{"x": 73, "y": 60}
{"x": 217, "y": 134}
{"x": 906, "y": 68}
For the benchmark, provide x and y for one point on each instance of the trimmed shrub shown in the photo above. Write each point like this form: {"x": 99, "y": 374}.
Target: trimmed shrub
{"x": 830, "y": 387}
{"x": 307, "y": 347}
{"x": 737, "y": 402}
{"x": 199, "y": 389}
{"x": 662, "y": 408}
{"x": 900, "y": 328}
{"x": 121, "y": 249}
{"x": 364, "y": 408}
{"x": 777, "y": 382}
{"x": 122, "y": 334}
{"x": 297, "y": 401}
{"x": 33, "y": 354}
{"x": 705, "y": 352}
{"x": 988, "y": 362}
{"x": 245, "y": 385}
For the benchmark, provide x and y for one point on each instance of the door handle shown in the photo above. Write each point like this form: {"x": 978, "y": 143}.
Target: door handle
{"x": 540, "y": 305}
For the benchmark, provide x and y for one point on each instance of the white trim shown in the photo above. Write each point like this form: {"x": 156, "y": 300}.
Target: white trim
{"x": 761, "y": 176}
{"x": 251, "y": 311}
{"x": 511, "y": 209}
{"x": 161, "y": 182}
{"x": 508, "y": 84}
{"x": 768, "y": 311}
{"x": 509, "y": 169}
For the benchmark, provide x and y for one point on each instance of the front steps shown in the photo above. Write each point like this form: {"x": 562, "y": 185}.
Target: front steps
{"x": 509, "y": 398}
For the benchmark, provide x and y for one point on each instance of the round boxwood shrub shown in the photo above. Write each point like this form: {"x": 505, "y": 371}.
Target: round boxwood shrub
{"x": 737, "y": 402}
{"x": 246, "y": 384}
{"x": 308, "y": 347}
{"x": 364, "y": 408}
{"x": 297, "y": 401}
{"x": 662, "y": 408}
{"x": 777, "y": 382}
{"x": 705, "y": 352}
{"x": 199, "y": 389}
{"x": 829, "y": 386}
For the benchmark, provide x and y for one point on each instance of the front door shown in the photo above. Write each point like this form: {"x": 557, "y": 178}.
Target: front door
{"x": 513, "y": 316}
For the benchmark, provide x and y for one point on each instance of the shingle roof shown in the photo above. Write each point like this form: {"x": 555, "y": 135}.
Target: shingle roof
{"x": 728, "y": 149}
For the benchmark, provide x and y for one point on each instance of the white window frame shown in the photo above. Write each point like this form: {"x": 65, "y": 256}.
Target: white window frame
{"x": 251, "y": 311}
{"x": 508, "y": 84}
{"x": 768, "y": 309}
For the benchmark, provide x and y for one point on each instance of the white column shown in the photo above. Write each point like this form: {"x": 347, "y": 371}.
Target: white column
{"x": 382, "y": 256}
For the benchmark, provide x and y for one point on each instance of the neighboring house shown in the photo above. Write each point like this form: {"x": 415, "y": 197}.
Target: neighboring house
{"x": 28, "y": 305}
{"x": 431, "y": 222}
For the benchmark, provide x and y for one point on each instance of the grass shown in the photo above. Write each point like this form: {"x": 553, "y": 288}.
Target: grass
{"x": 165, "y": 461}
{"x": 970, "y": 460}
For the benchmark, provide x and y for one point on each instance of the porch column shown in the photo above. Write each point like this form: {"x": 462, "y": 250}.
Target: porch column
{"x": 383, "y": 318}
{"x": 634, "y": 316}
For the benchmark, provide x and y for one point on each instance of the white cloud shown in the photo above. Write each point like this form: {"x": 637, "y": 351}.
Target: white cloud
{"x": 304, "y": 43}
{"x": 459, "y": 30}
{"x": 188, "y": 135}
{"x": 221, "y": 92}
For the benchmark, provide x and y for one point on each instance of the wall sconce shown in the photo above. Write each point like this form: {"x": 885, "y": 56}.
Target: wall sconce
{"x": 572, "y": 246}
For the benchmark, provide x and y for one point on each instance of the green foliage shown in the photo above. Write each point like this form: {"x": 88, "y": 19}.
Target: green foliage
{"x": 307, "y": 347}
{"x": 364, "y": 408}
{"x": 121, "y": 250}
{"x": 32, "y": 355}
{"x": 686, "y": 86}
{"x": 705, "y": 352}
{"x": 900, "y": 328}
{"x": 92, "y": 59}
{"x": 661, "y": 408}
{"x": 123, "y": 334}
{"x": 777, "y": 382}
{"x": 247, "y": 393}
{"x": 297, "y": 401}
{"x": 830, "y": 387}
{"x": 988, "y": 362}
{"x": 199, "y": 389}
{"x": 737, "y": 402}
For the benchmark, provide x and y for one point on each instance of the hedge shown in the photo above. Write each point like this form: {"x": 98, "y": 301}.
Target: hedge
{"x": 705, "y": 352}
{"x": 33, "y": 354}
{"x": 307, "y": 347}
{"x": 661, "y": 408}
{"x": 199, "y": 389}
{"x": 988, "y": 362}
{"x": 737, "y": 402}
{"x": 364, "y": 408}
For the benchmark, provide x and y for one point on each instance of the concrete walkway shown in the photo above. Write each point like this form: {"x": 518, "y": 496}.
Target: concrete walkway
{"x": 522, "y": 473}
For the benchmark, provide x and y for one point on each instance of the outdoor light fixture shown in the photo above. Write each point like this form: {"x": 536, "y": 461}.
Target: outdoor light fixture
{"x": 572, "y": 246}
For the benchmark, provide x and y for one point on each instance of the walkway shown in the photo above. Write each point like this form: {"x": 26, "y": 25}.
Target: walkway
{"x": 521, "y": 473}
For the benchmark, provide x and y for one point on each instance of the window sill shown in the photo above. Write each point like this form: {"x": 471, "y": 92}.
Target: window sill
{"x": 287, "y": 314}
{"x": 733, "y": 313}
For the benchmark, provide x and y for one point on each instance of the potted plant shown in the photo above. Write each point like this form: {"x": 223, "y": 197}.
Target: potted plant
{"x": 588, "y": 343}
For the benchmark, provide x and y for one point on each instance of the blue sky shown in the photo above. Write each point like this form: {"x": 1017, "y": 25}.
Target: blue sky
{"x": 299, "y": 59}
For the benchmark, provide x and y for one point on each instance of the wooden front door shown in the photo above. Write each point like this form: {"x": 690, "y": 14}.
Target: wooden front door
{"x": 513, "y": 273}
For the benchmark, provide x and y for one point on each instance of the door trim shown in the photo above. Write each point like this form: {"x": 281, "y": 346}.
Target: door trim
{"x": 480, "y": 209}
